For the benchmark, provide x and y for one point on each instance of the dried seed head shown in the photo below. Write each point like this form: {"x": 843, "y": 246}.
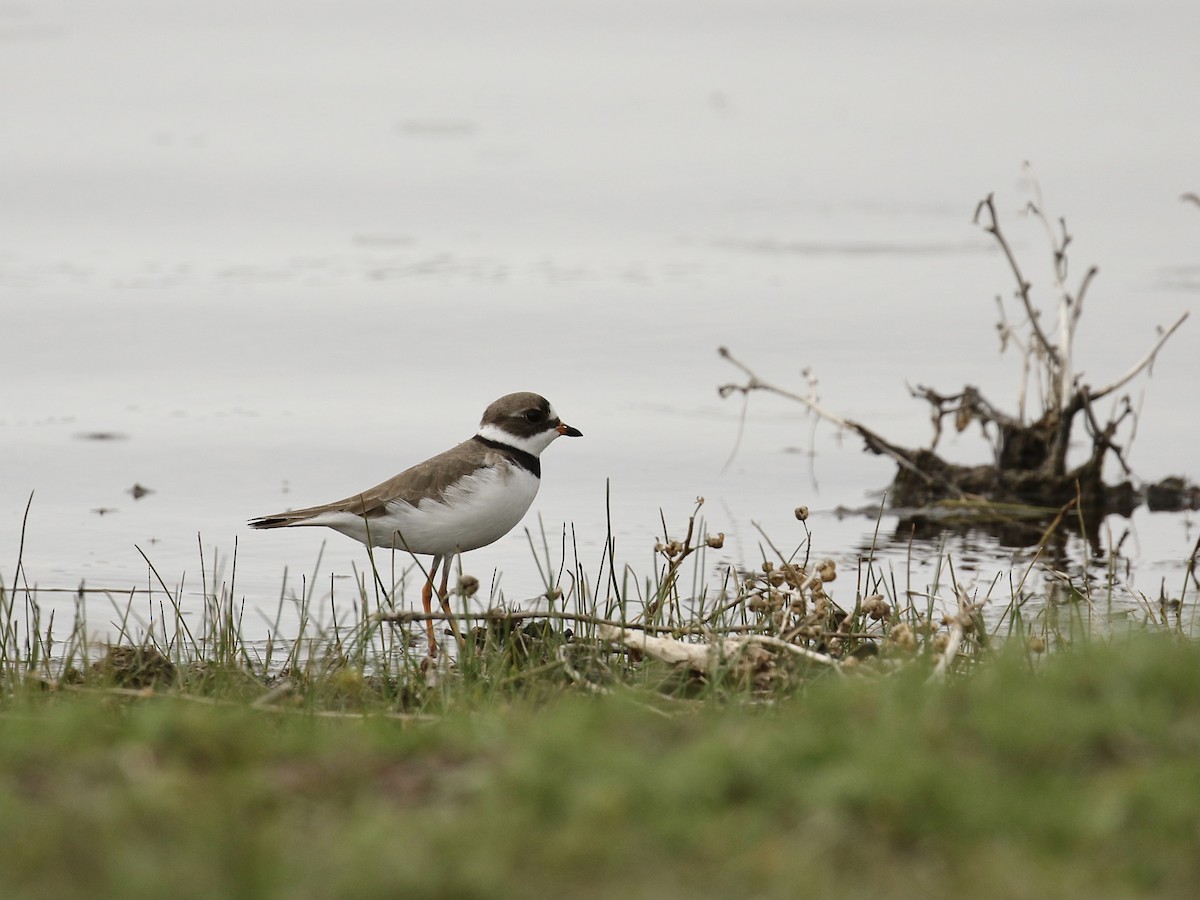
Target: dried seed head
{"x": 716, "y": 542}
{"x": 776, "y": 579}
{"x": 768, "y": 566}
{"x": 1037, "y": 644}
{"x": 827, "y": 570}
{"x": 674, "y": 548}
{"x": 875, "y": 607}
{"x": 468, "y": 586}
{"x": 772, "y": 601}
{"x": 793, "y": 574}
{"x": 553, "y": 594}
{"x": 903, "y": 638}
{"x": 941, "y": 642}
{"x": 802, "y": 513}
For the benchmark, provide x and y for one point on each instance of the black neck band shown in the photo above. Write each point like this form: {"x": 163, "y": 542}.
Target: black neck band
{"x": 522, "y": 458}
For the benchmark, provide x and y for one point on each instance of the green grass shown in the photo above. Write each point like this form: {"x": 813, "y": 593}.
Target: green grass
{"x": 861, "y": 740}
{"x": 1079, "y": 780}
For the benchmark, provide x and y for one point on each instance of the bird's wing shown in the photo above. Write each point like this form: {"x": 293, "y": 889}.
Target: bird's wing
{"x": 430, "y": 478}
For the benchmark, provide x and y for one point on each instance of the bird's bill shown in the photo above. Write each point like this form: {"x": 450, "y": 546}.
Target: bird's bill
{"x": 567, "y": 430}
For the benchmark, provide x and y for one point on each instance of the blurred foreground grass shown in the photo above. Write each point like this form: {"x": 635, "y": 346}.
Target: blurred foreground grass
{"x": 1081, "y": 779}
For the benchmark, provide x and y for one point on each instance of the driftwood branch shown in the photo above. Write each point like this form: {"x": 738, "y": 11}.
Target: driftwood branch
{"x": 495, "y": 616}
{"x": 1030, "y": 458}
{"x": 875, "y": 442}
{"x": 706, "y": 656}
{"x": 988, "y": 203}
{"x": 958, "y": 630}
{"x": 1102, "y": 435}
{"x": 1083, "y": 287}
{"x": 966, "y": 404}
{"x": 754, "y": 383}
{"x": 516, "y": 616}
{"x": 1141, "y": 364}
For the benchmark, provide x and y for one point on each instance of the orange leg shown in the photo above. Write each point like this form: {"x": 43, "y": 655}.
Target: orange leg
{"x": 427, "y": 602}
{"x": 442, "y": 594}
{"x": 444, "y": 597}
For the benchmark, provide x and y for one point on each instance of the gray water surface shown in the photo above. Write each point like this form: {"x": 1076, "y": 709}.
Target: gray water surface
{"x": 280, "y": 251}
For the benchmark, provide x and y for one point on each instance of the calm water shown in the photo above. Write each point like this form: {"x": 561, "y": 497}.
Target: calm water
{"x": 281, "y": 251}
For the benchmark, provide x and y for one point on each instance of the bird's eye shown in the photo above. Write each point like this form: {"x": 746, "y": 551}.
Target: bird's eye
{"x": 534, "y": 415}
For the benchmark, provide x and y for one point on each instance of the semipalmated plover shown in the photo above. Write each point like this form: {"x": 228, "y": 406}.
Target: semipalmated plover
{"x": 460, "y": 500}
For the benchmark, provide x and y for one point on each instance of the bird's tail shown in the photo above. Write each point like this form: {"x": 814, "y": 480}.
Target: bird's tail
{"x": 313, "y": 515}
{"x": 283, "y": 520}
{"x": 270, "y": 522}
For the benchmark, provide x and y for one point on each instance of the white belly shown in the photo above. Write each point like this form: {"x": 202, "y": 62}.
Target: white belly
{"x": 476, "y": 511}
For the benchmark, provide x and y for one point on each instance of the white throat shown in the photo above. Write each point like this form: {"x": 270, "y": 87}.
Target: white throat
{"x": 534, "y": 445}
